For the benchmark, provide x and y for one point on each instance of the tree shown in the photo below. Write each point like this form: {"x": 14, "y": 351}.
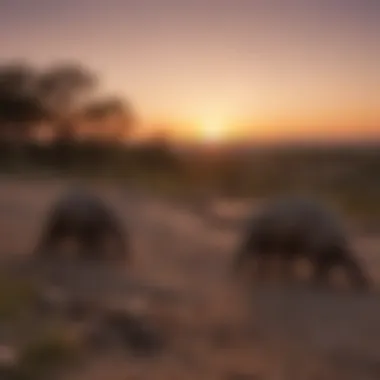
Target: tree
{"x": 60, "y": 95}
{"x": 62, "y": 86}
{"x": 62, "y": 89}
{"x": 17, "y": 77}
{"x": 103, "y": 108}
{"x": 113, "y": 110}
{"x": 20, "y": 107}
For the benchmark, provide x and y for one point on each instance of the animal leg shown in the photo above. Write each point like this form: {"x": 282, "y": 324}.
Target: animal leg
{"x": 263, "y": 264}
{"x": 120, "y": 249}
{"x": 359, "y": 279}
{"x": 341, "y": 257}
{"x": 286, "y": 261}
{"x": 51, "y": 237}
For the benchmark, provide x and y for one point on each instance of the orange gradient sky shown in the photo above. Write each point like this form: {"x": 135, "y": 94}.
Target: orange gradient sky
{"x": 217, "y": 69}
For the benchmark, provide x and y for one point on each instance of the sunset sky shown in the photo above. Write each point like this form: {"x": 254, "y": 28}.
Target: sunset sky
{"x": 217, "y": 68}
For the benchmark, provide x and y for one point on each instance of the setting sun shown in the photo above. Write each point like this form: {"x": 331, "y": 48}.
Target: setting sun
{"x": 212, "y": 130}
{"x": 212, "y": 133}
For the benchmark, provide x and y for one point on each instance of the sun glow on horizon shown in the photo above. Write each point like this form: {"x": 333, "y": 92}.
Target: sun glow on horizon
{"x": 212, "y": 130}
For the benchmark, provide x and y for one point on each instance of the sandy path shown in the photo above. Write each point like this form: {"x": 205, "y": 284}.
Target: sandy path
{"x": 267, "y": 332}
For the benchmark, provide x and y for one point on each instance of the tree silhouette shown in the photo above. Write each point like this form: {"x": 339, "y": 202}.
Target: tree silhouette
{"x": 62, "y": 96}
{"x": 17, "y": 78}
{"x": 20, "y": 107}
{"x": 114, "y": 108}
{"x": 62, "y": 89}
{"x": 103, "y": 108}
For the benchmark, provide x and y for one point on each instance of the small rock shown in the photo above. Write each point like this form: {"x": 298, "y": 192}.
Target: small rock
{"x": 80, "y": 309}
{"x": 8, "y": 362}
{"x": 51, "y": 300}
{"x": 8, "y": 356}
{"x": 133, "y": 333}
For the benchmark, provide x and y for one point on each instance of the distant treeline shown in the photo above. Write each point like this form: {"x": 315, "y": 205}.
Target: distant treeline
{"x": 85, "y": 157}
{"x": 350, "y": 176}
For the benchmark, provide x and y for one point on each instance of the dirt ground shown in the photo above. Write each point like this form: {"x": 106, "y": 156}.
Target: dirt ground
{"x": 214, "y": 328}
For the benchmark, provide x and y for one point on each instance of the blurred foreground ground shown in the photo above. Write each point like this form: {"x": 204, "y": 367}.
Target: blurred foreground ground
{"x": 212, "y": 328}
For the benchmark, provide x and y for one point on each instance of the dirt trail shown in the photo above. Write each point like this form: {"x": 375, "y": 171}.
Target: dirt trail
{"x": 215, "y": 329}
